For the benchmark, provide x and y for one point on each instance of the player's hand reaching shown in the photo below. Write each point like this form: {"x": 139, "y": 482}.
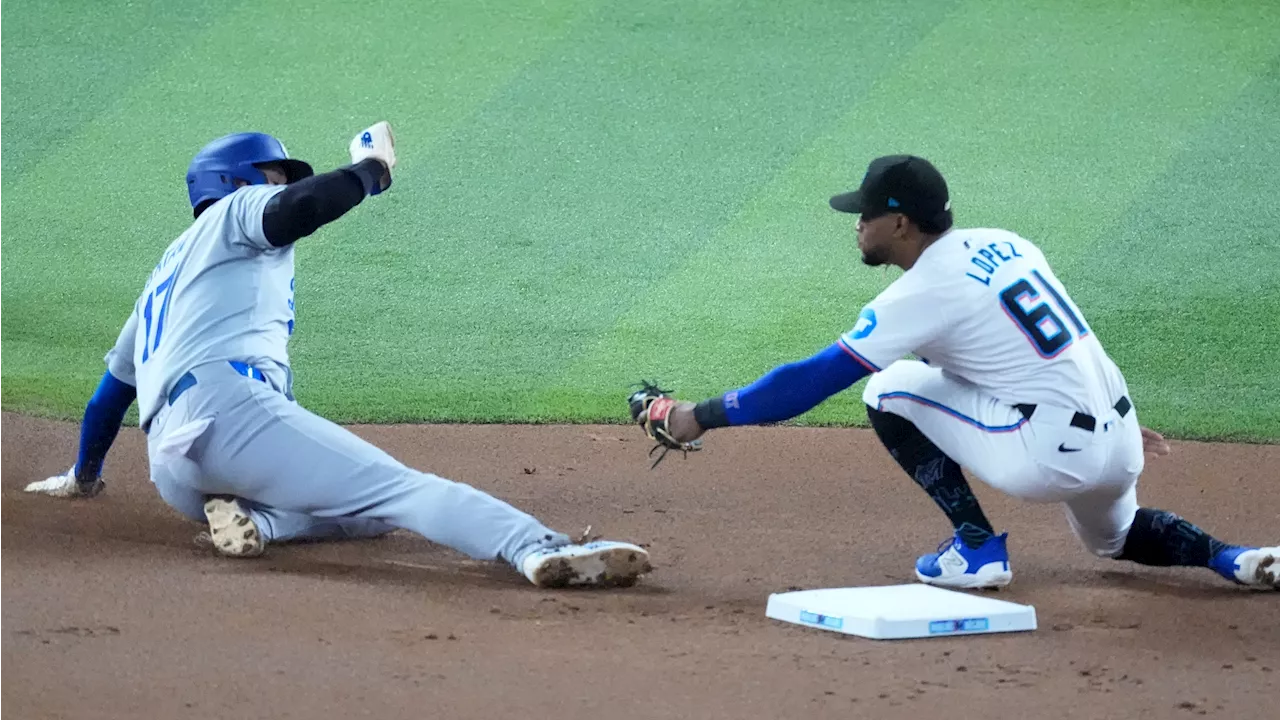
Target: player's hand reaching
{"x": 66, "y": 486}
{"x": 668, "y": 421}
{"x": 379, "y": 143}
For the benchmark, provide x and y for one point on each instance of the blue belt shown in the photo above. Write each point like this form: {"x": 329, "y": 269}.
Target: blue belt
{"x": 188, "y": 381}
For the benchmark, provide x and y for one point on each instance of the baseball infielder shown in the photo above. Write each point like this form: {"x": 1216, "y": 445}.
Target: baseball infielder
{"x": 204, "y": 352}
{"x": 1010, "y": 383}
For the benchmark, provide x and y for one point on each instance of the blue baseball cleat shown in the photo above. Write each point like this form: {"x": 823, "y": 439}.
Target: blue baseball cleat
{"x": 956, "y": 565}
{"x": 1254, "y": 567}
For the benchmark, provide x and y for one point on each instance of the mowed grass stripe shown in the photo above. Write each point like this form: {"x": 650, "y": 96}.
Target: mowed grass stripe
{"x": 91, "y": 217}
{"x": 65, "y": 63}
{"x": 995, "y": 100}
{"x": 584, "y": 182}
{"x": 1197, "y": 315}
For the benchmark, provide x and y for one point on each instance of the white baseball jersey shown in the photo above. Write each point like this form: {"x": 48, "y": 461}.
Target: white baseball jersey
{"x": 984, "y": 305}
{"x": 220, "y": 292}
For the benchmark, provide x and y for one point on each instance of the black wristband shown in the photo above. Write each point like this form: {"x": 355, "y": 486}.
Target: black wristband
{"x": 370, "y": 172}
{"x": 710, "y": 413}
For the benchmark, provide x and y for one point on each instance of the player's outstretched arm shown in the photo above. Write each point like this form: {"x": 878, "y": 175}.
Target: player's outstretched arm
{"x": 784, "y": 392}
{"x": 304, "y": 206}
{"x": 781, "y": 394}
{"x": 103, "y": 416}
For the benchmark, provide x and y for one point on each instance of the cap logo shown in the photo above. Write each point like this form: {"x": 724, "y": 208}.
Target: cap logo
{"x": 893, "y": 202}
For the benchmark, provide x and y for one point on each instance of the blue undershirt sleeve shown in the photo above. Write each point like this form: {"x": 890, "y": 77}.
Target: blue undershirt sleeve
{"x": 795, "y": 388}
{"x": 102, "y": 418}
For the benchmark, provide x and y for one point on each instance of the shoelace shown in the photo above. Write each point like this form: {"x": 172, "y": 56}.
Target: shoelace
{"x": 691, "y": 446}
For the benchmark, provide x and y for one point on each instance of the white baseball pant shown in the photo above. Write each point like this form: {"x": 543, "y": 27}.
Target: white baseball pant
{"x": 1041, "y": 459}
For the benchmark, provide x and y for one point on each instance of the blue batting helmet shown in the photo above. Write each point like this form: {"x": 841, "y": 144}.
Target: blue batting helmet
{"x": 214, "y": 170}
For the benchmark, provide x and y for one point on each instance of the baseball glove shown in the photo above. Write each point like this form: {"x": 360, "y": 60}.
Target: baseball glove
{"x": 650, "y": 408}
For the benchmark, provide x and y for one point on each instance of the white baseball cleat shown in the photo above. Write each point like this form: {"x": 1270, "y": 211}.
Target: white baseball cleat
{"x": 1255, "y": 567}
{"x": 231, "y": 531}
{"x": 602, "y": 563}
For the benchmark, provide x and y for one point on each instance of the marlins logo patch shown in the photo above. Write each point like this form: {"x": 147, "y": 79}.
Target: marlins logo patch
{"x": 866, "y": 323}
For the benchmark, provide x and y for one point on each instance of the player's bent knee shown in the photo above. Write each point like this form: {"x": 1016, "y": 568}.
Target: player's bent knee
{"x": 1108, "y": 547}
{"x": 900, "y": 376}
{"x": 1103, "y": 543}
{"x": 871, "y": 391}
{"x": 893, "y": 431}
{"x": 188, "y": 502}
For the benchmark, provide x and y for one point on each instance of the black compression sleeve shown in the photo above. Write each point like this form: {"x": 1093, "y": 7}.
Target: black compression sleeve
{"x": 300, "y": 209}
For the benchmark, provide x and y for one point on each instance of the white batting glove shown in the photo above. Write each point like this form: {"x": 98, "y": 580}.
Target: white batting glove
{"x": 66, "y": 486}
{"x": 376, "y": 142}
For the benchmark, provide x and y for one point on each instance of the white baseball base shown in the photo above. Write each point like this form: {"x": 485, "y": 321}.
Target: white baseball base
{"x": 893, "y": 612}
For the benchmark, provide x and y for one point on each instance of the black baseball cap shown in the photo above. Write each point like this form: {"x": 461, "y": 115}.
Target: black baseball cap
{"x": 904, "y": 184}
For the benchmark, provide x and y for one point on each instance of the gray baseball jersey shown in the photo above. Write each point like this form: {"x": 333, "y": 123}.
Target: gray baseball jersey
{"x": 219, "y": 292}
{"x": 222, "y": 293}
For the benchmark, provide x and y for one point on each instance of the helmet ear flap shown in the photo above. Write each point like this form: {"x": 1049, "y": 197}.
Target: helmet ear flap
{"x": 295, "y": 170}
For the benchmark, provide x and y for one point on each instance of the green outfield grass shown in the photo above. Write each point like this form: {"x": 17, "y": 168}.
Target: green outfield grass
{"x": 594, "y": 192}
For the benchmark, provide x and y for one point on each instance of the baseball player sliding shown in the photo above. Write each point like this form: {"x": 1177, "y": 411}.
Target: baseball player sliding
{"x": 1010, "y": 383}
{"x": 204, "y": 352}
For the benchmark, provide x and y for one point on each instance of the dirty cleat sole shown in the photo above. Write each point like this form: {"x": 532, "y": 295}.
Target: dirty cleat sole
{"x": 602, "y": 563}
{"x": 231, "y": 531}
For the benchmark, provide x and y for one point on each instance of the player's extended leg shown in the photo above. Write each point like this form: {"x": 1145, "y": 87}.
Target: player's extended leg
{"x": 278, "y": 525}
{"x": 1116, "y": 527}
{"x": 179, "y": 496}
{"x": 284, "y": 526}
{"x": 933, "y": 425}
{"x": 1149, "y": 536}
{"x": 1161, "y": 538}
{"x": 240, "y": 528}
{"x": 248, "y": 441}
